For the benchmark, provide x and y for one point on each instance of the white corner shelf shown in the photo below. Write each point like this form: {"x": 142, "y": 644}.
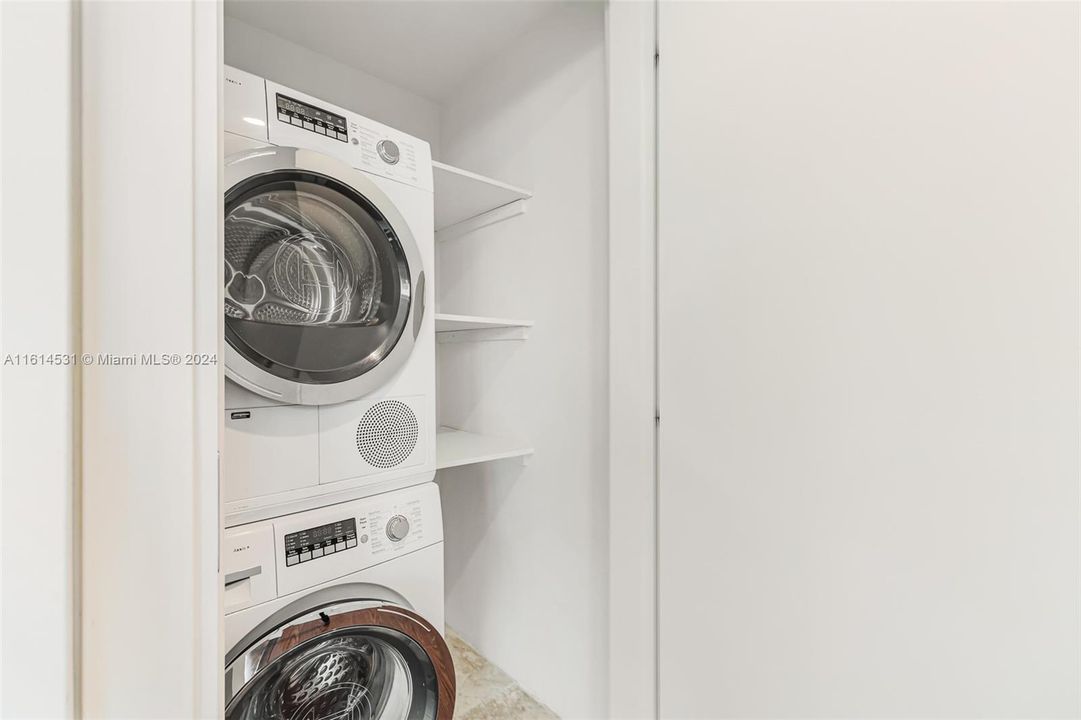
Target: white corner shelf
{"x": 471, "y": 328}
{"x": 456, "y": 447}
{"x": 466, "y": 201}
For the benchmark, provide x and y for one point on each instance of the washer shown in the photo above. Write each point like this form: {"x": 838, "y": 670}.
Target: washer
{"x": 330, "y": 341}
{"x": 338, "y": 612}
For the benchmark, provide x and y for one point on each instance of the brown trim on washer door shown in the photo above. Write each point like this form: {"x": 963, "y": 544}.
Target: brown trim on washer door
{"x": 395, "y": 618}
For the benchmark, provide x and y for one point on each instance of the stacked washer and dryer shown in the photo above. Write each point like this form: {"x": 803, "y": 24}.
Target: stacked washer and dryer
{"x": 333, "y": 551}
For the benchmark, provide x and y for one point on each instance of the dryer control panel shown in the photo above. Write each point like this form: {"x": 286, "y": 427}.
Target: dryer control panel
{"x": 265, "y": 111}
{"x": 308, "y": 117}
{"x": 299, "y": 120}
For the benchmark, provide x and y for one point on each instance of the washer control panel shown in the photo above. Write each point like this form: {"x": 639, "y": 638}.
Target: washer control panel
{"x": 316, "y": 546}
{"x": 314, "y": 543}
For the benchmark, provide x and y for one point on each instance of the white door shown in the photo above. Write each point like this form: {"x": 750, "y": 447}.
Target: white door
{"x": 868, "y": 366}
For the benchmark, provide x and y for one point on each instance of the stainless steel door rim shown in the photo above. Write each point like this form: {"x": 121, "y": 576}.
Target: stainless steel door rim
{"x": 378, "y": 365}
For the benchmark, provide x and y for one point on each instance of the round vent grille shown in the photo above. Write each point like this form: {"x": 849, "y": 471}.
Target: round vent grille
{"x": 387, "y": 434}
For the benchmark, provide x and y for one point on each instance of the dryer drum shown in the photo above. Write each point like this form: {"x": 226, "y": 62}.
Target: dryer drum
{"x": 317, "y": 285}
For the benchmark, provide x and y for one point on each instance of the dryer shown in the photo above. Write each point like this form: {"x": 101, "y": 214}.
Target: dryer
{"x": 330, "y": 341}
{"x": 338, "y": 612}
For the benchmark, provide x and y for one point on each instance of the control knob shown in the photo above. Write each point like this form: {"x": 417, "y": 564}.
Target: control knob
{"x": 388, "y": 150}
{"x": 397, "y": 528}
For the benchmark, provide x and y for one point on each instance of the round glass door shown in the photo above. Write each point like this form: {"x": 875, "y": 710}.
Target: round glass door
{"x": 356, "y": 674}
{"x": 317, "y": 284}
{"x": 358, "y": 660}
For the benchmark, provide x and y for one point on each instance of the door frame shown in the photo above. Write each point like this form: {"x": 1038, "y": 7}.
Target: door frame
{"x": 151, "y": 190}
{"x": 632, "y": 402}
{"x": 103, "y": 35}
{"x": 39, "y": 383}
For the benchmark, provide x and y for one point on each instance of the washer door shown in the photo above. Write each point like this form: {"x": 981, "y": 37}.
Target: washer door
{"x": 323, "y": 282}
{"x": 359, "y": 660}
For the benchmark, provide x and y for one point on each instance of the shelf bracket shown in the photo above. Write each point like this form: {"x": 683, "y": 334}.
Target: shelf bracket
{"x": 491, "y": 217}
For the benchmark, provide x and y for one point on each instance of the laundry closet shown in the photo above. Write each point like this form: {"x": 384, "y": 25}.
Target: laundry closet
{"x": 507, "y": 102}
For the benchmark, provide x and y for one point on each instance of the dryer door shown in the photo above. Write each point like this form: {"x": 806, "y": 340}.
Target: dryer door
{"x": 355, "y": 660}
{"x": 323, "y": 281}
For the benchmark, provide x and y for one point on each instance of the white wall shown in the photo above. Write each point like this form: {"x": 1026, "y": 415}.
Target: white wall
{"x": 260, "y": 52}
{"x": 869, "y": 496}
{"x": 40, "y": 290}
{"x": 527, "y": 546}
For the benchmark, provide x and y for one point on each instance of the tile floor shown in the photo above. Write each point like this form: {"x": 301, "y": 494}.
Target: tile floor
{"x": 487, "y": 693}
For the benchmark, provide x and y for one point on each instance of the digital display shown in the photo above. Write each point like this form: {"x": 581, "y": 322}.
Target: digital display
{"x": 310, "y": 118}
{"x": 320, "y": 541}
